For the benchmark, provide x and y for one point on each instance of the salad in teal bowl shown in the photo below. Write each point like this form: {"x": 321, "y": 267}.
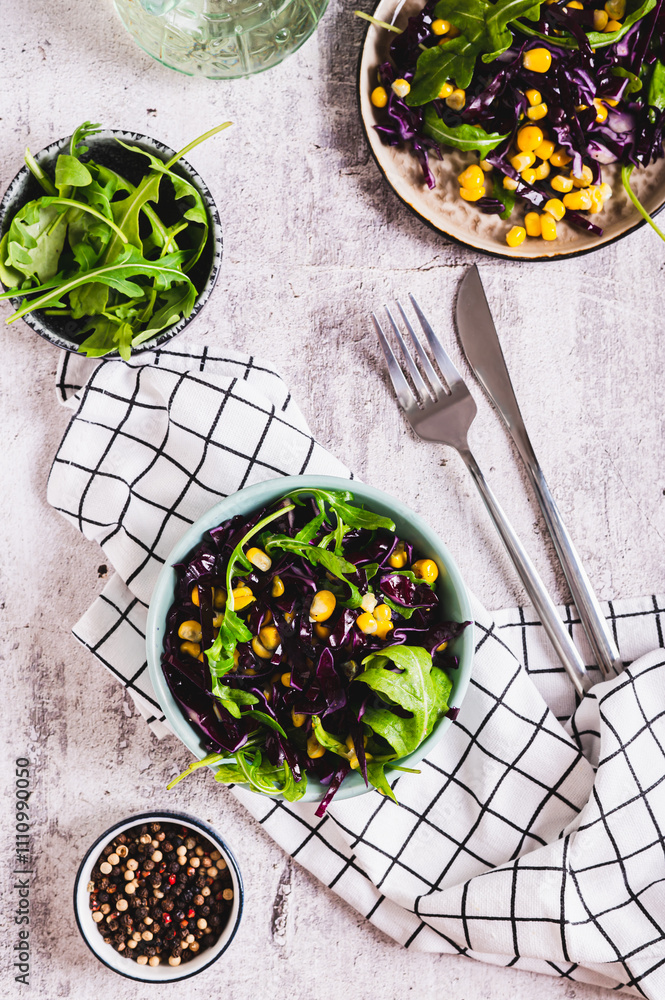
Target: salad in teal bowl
{"x": 309, "y": 638}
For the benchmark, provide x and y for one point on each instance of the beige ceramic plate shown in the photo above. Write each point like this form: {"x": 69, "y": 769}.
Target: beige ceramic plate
{"x": 443, "y": 209}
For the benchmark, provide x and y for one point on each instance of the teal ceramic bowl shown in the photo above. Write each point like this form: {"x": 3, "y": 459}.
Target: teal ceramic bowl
{"x": 450, "y": 587}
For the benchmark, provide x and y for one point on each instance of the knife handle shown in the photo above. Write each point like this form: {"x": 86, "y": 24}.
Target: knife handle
{"x": 535, "y": 588}
{"x": 595, "y": 624}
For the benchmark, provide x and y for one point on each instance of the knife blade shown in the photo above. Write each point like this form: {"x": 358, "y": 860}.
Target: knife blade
{"x": 482, "y": 348}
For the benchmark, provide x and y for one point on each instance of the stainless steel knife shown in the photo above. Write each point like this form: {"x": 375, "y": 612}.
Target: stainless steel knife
{"x": 483, "y": 351}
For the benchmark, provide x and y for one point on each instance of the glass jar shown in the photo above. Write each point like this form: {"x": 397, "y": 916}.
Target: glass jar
{"x": 220, "y": 39}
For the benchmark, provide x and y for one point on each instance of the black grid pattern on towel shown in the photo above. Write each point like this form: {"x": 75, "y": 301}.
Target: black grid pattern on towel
{"x": 533, "y": 836}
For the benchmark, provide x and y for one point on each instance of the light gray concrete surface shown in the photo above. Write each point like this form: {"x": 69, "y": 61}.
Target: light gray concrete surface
{"x": 313, "y": 242}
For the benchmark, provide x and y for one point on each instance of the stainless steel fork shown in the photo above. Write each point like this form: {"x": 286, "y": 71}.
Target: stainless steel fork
{"x": 444, "y": 413}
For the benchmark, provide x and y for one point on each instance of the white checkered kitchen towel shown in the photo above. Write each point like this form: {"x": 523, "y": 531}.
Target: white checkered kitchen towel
{"x": 533, "y": 837}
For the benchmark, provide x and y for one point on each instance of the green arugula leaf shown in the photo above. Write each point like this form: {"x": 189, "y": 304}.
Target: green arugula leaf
{"x": 504, "y": 195}
{"x": 70, "y": 172}
{"x": 464, "y": 137}
{"x": 376, "y": 776}
{"x": 484, "y": 29}
{"x": 37, "y": 172}
{"x": 656, "y": 95}
{"x": 210, "y": 759}
{"x": 233, "y": 698}
{"x": 178, "y": 301}
{"x": 420, "y": 689}
{"x": 267, "y": 720}
{"x": 399, "y": 608}
{"x": 10, "y": 276}
{"x": 83, "y": 132}
{"x": 34, "y": 244}
{"x": 626, "y": 171}
{"x": 635, "y": 84}
{"x": 327, "y": 740}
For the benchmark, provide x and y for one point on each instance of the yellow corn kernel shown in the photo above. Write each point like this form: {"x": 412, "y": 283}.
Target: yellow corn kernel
{"x": 537, "y": 60}
{"x": 444, "y": 645}
{"x": 610, "y": 101}
{"x": 397, "y": 558}
{"x": 545, "y": 150}
{"x": 298, "y": 719}
{"x": 322, "y": 631}
{"x": 556, "y": 208}
{"x": 400, "y": 87}
{"x": 369, "y": 602}
{"x": 606, "y": 191}
{"x": 379, "y": 97}
{"x": 260, "y": 559}
{"x": 532, "y": 224}
{"x": 472, "y": 194}
{"x": 314, "y": 748}
{"x": 269, "y": 637}
{"x": 194, "y": 596}
{"x": 561, "y": 183}
{"x": 616, "y": 9}
{"x": 242, "y": 596}
{"x": 260, "y": 649}
{"x": 218, "y": 597}
{"x": 542, "y": 171}
{"x": 446, "y": 90}
{"x": 366, "y": 623}
{"x": 600, "y": 19}
{"x": 277, "y": 588}
{"x": 521, "y": 161}
{"x": 382, "y": 613}
{"x": 578, "y": 201}
{"x": 537, "y": 112}
{"x": 383, "y": 628}
{"x": 440, "y": 27}
{"x": 322, "y": 606}
{"x": 286, "y": 679}
{"x": 515, "y": 236}
{"x": 585, "y": 179}
{"x": 190, "y": 630}
{"x": 575, "y": 4}
{"x": 457, "y": 99}
{"x": 288, "y": 617}
{"x": 612, "y": 26}
{"x": 192, "y": 649}
{"x": 596, "y": 199}
{"x": 528, "y": 175}
{"x": 529, "y": 138}
{"x": 548, "y": 226}
{"x": 472, "y": 177}
{"x": 601, "y": 110}
{"x": 354, "y": 762}
{"x": 426, "y": 569}
{"x": 509, "y": 183}
{"x": 534, "y": 97}
{"x": 560, "y": 158}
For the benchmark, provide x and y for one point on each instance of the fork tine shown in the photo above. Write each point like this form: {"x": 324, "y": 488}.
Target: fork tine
{"x": 450, "y": 373}
{"x": 406, "y": 398}
{"x": 434, "y": 380}
{"x": 418, "y": 380}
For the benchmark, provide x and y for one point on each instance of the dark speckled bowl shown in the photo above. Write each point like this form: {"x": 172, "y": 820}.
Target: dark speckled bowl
{"x": 65, "y": 332}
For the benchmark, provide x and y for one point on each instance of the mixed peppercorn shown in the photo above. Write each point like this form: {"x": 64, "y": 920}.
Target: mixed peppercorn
{"x": 160, "y": 894}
